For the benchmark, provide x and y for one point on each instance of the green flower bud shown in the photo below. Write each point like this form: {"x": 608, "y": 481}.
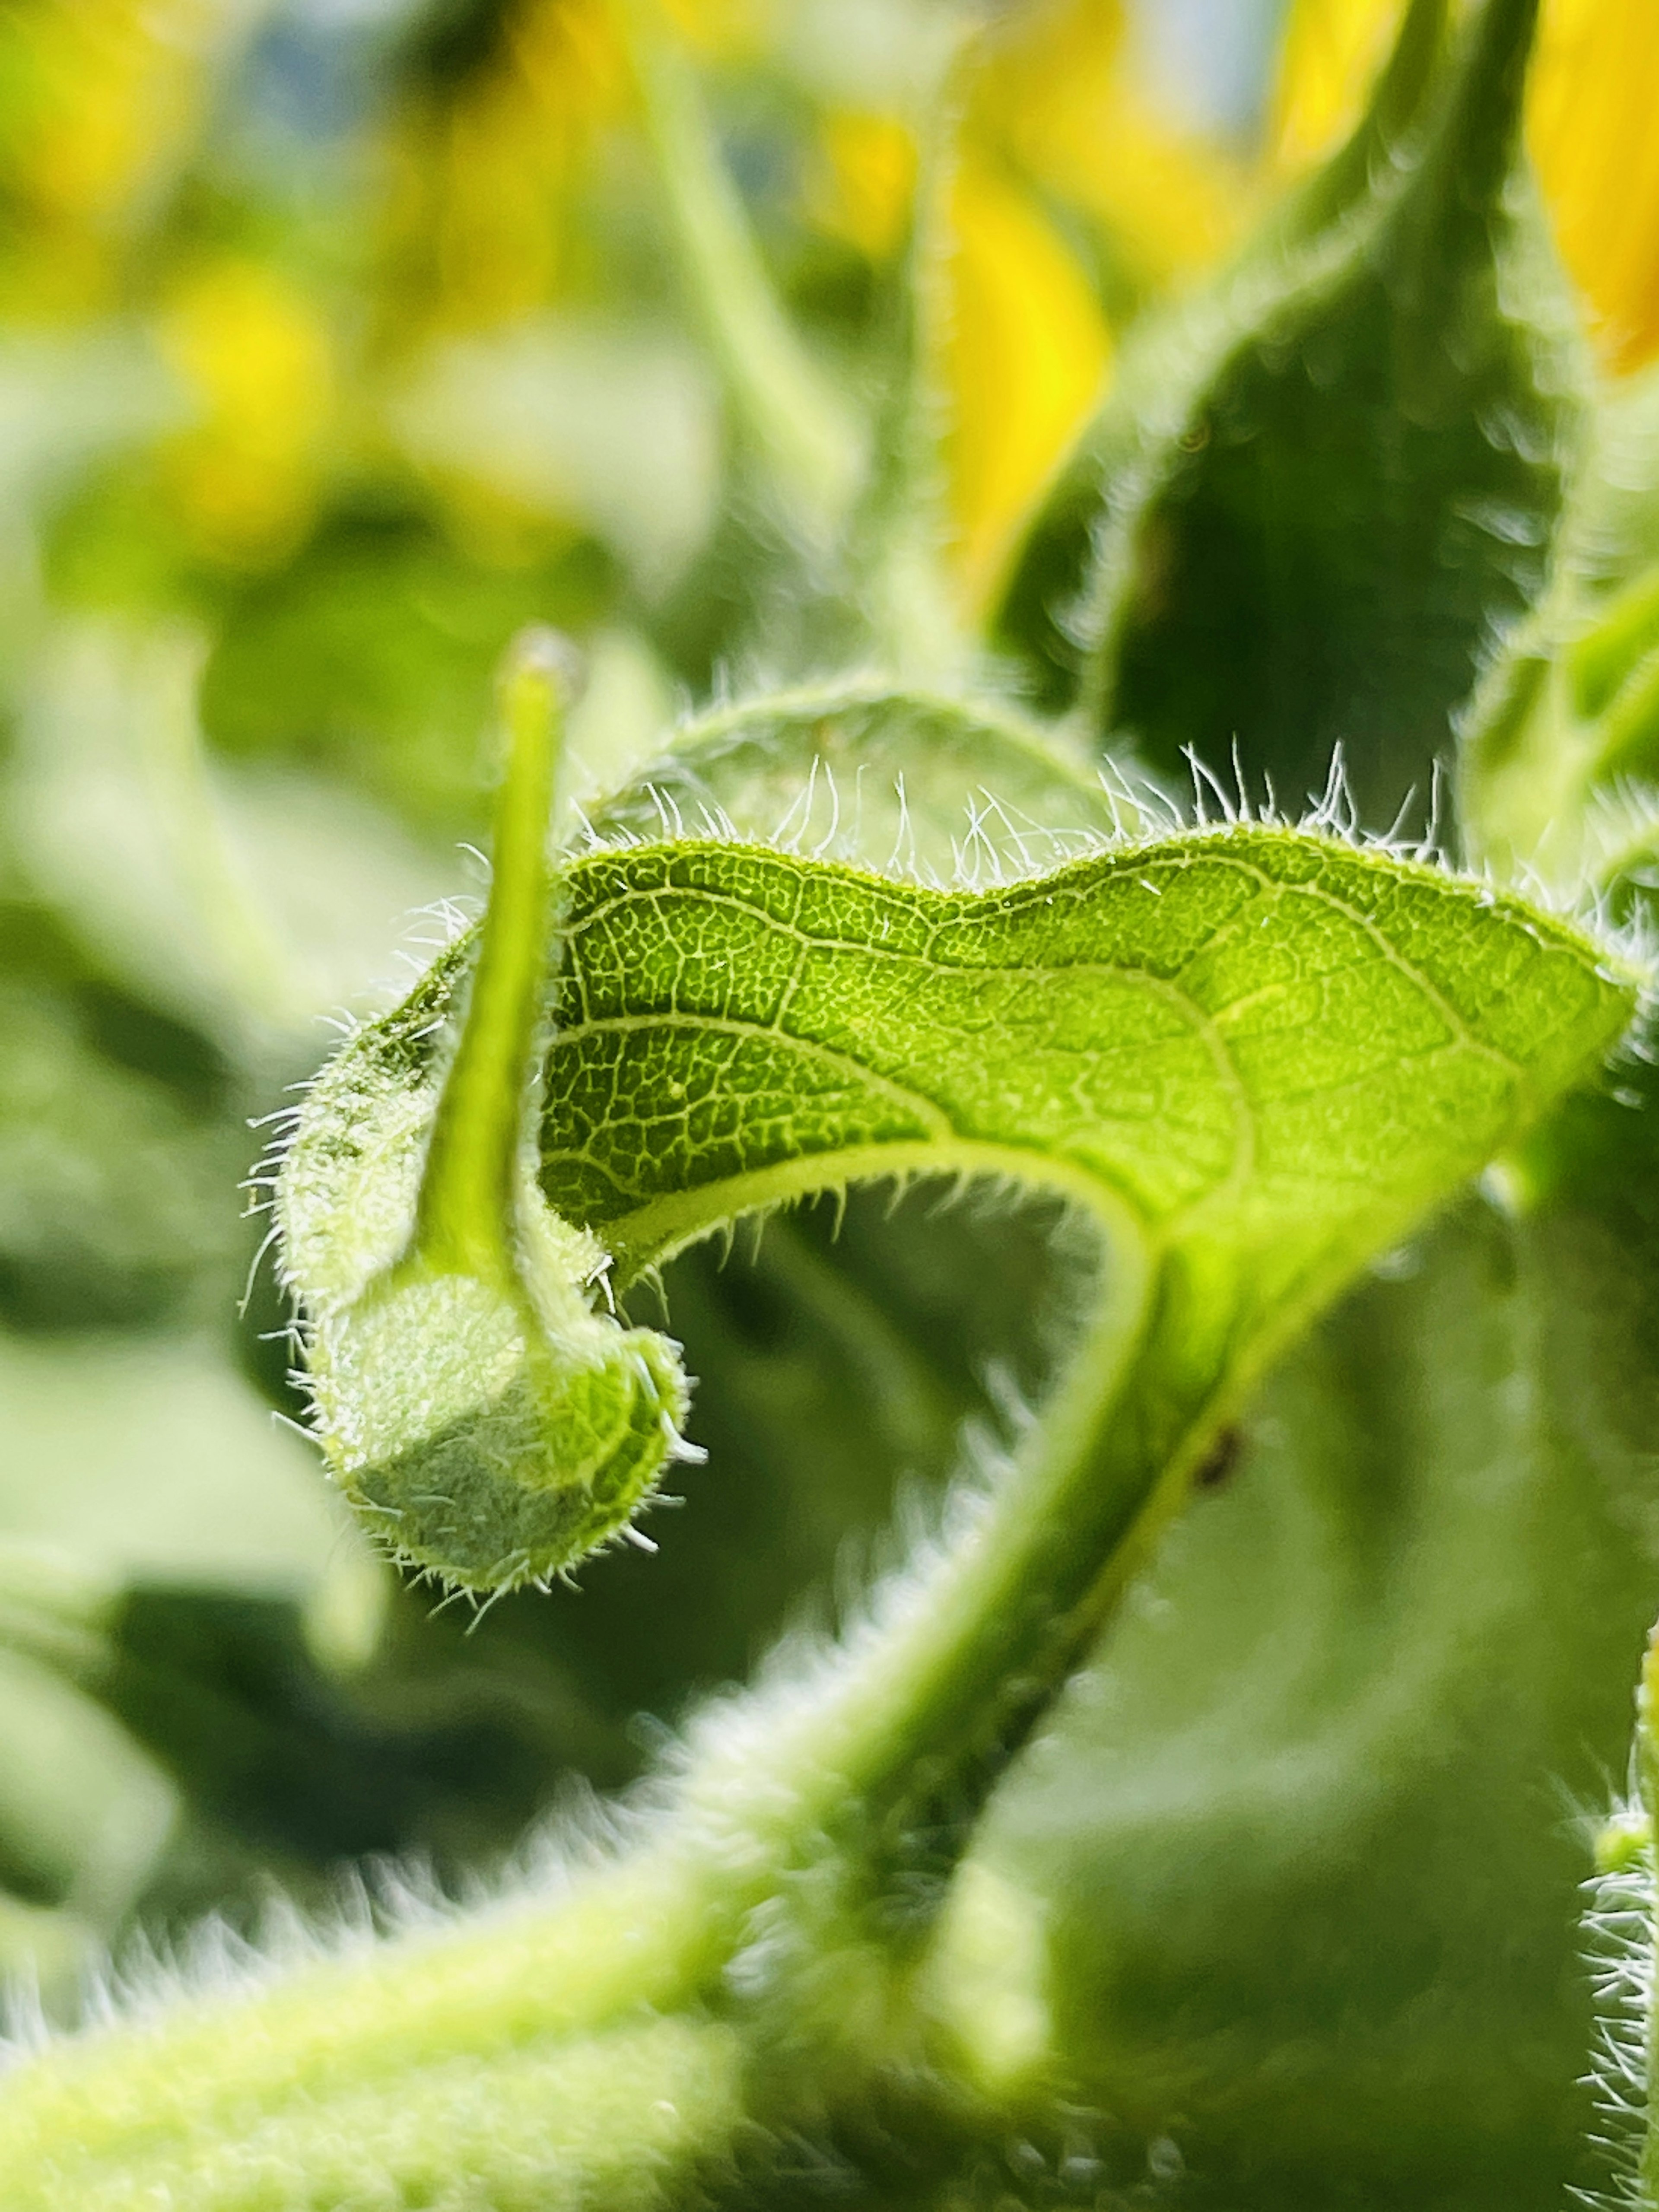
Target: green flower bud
{"x": 490, "y": 1426}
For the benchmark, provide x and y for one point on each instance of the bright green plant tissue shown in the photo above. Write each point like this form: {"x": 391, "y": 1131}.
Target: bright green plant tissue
{"x": 1191, "y": 1804}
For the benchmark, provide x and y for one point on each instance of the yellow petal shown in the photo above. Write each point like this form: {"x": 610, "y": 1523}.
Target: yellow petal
{"x": 1331, "y": 51}
{"x": 101, "y": 98}
{"x": 1591, "y": 129}
{"x": 257, "y": 355}
{"x": 1593, "y": 125}
{"x": 862, "y": 184}
{"x": 1025, "y": 360}
{"x": 1058, "y": 90}
{"x": 115, "y": 82}
{"x": 720, "y": 27}
{"x": 482, "y": 171}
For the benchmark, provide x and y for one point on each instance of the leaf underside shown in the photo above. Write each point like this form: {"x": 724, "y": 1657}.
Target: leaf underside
{"x": 1256, "y": 1053}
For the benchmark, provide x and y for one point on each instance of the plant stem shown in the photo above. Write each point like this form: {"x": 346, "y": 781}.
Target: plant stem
{"x": 898, "y": 531}
{"x": 658, "y": 1928}
{"x": 466, "y": 1216}
{"x": 789, "y": 412}
{"x": 1647, "y": 1786}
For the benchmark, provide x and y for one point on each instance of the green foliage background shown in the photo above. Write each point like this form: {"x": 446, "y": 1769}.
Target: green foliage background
{"x": 1292, "y": 1873}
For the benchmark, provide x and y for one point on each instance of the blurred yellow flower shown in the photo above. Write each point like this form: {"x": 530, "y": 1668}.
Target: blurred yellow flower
{"x": 1026, "y": 352}
{"x": 1023, "y": 347}
{"x": 1590, "y": 127}
{"x": 1058, "y": 88}
{"x": 720, "y": 26}
{"x": 482, "y": 167}
{"x": 1053, "y": 112}
{"x": 1330, "y": 52}
{"x": 101, "y": 97}
{"x": 1593, "y": 126}
{"x": 861, "y": 188}
{"x": 256, "y": 355}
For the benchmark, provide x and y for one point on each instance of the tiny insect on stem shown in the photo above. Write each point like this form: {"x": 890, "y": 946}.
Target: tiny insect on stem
{"x": 1220, "y": 1463}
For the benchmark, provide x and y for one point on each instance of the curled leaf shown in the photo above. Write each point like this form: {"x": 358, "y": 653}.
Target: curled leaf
{"x": 734, "y": 1028}
{"x": 486, "y": 1423}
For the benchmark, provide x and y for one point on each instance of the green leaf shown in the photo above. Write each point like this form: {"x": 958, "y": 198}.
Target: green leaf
{"x": 739, "y": 1028}
{"x": 241, "y": 902}
{"x": 1562, "y": 738}
{"x": 92, "y": 1078}
{"x": 127, "y": 1462}
{"x": 847, "y": 1350}
{"x": 1306, "y": 1845}
{"x": 1172, "y": 356}
{"x": 1307, "y": 1842}
{"x": 898, "y": 780}
{"x": 1252, "y": 1057}
{"x": 1329, "y": 489}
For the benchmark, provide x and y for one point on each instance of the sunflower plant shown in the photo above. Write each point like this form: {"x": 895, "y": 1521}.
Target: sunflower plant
{"x": 1080, "y": 1108}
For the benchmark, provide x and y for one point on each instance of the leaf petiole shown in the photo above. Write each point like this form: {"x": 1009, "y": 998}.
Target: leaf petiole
{"x": 467, "y": 1213}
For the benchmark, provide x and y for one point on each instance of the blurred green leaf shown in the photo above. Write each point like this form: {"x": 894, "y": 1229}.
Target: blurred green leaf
{"x": 370, "y": 659}
{"x": 612, "y": 430}
{"x": 244, "y": 903}
{"x": 1310, "y": 1835}
{"x": 115, "y": 1156}
{"x": 1344, "y": 476}
{"x": 1561, "y": 741}
{"x": 147, "y": 1455}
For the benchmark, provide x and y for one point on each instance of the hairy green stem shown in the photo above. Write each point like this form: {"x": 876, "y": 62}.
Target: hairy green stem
{"x": 1647, "y": 1788}
{"x": 1250, "y": 1058}
{"x": 653, "y": 1933}
{"x": 468, "y": 1207}
{"x": 897, "y": 532}
{"x": 785, "y": 407}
